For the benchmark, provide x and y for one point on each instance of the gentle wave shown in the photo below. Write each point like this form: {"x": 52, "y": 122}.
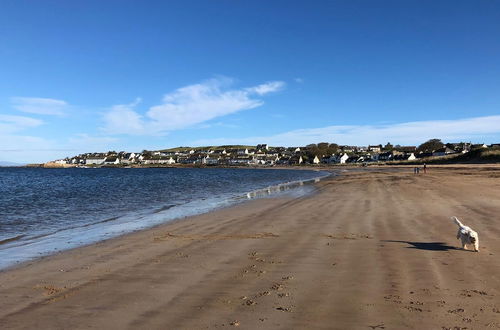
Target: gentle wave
{"x": 264, "y": 192}
{"x": 11, "y": 239}
{"x": 26, "y": 246}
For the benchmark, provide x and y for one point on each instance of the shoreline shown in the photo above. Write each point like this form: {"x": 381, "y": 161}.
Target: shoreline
{"x": 307, "y": 167}
{"x": 368, "y": 249}
{"x": 63, "y": 236}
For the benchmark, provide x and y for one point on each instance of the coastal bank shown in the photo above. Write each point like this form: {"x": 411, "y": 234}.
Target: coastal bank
{"x": 370, "y": 249}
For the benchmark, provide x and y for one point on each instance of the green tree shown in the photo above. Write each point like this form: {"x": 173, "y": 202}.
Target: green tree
{"x": 430, "y": 145}
{"x": 323, "y": 145}
{"x": 333, "y": 148}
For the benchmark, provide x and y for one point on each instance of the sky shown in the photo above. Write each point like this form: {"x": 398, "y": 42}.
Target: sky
{"x": 92, "y": 76}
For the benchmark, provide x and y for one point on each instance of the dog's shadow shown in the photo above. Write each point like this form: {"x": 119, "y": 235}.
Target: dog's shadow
{"x": 428, "y": 246}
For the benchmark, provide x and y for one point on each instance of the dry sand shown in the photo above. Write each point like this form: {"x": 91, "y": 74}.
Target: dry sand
{"x": 369, "y": 250}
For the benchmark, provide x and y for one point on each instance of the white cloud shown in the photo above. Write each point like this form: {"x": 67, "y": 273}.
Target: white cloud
{"x": 10, "y": 124}
{"x": 32, "y": 149}
{"x": 477, "y": 129}
{"x": 87, "y": 141}
{"x": 40, "y": 106}
{"x": 25, "y": 148}
{"x": 123, "y": 119}
{"x": 269, "y": 87}
{"x": 187, "y": 106}
{"x": 299, "y": 80}
{"x": 20, "y": 148}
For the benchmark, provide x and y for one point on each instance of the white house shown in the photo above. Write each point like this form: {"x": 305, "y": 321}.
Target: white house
{"x": 210, "y": 160}
{"x": 296, "y": 160}
{"x": 241, "y": 161}
{"x": 95, "y": 160}
{"x": 443, "y": 152}
{"x": 348, "y": 148}
{"x": 160, "y": 160}
{"x": 376, "y": 148}
{"x": 480, "y": 145}
{"x": 262, "y": 147}
{"x": 113, "y": 160}
{"x": 386, "y": 156}
{"x": 271, "y": 159}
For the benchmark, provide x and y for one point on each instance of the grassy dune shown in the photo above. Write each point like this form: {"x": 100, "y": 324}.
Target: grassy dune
{"x": 477, "y": 156}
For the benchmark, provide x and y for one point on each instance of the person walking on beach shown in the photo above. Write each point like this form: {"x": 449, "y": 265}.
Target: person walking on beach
{"x": 425, "y": 168}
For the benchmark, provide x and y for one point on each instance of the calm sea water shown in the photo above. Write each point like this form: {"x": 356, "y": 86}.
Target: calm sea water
{"x": 47, "y": 210}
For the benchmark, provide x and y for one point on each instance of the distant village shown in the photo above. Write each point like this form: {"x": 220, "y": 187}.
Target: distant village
{"x": 264, "y": 155}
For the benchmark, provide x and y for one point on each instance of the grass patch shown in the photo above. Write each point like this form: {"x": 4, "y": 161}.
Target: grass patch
{"x": 476, "y": 156}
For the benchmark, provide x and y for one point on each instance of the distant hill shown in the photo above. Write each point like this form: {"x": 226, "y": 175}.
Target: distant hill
{"x": 183, "y": 149}
{"x": 4, "y": 163}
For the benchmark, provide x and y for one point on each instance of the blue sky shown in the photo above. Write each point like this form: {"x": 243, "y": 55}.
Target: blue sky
{"x": 83, "y": 76}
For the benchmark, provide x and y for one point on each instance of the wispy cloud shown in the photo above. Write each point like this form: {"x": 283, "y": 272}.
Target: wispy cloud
{"x": 269, "y": 87}
{"x": 187, "y": 106}
{"x": 15, "y": 145}
{"x": 477, "y": 129}
{"x": 24, "y": 148}
{"x": 123, "y": 119}
{"x": 84, "y": 140}
{"x": 11, "y": 124}
{"x": 39, "y": 106}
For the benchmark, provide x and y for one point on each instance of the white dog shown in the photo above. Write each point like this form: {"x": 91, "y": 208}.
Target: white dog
{"x": 467, "y": 235}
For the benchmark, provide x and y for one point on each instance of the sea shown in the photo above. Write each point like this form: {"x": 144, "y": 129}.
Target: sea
{"x": 44, "y": 211}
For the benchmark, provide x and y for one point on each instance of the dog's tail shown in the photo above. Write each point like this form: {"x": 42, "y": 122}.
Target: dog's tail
{"x": 457, "y": 221}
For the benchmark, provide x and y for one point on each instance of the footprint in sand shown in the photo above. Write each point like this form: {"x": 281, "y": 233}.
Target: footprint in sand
{"x": 262, "y": 294}
{"x": 456, "y": 311}
{"x": 284, "y": 309}
{"x": 378, "y": 326}
{"x": 277, "y": 286}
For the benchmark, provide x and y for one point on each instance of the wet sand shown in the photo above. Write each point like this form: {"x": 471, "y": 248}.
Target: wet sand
{"x": 369, "y": 250}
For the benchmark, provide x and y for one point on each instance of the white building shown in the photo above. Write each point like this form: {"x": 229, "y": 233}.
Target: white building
{"x": 210, "y": 160}
{"x": 113, "y": 160}
{"x": 95, "y": 160}
{"x": 343, "y": 159}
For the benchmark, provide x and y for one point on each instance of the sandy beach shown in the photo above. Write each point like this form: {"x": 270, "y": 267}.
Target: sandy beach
{"x": 371, "y": 249}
